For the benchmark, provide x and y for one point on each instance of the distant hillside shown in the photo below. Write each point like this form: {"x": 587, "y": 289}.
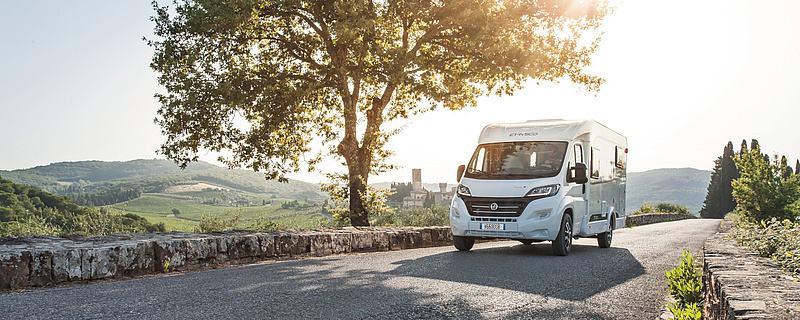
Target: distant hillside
{"x": 25, "y": 210}
{"x": 115, "y": 180}
{"x": 685, "y": 186}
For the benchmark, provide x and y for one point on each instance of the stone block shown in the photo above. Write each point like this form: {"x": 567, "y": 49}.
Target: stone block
{"x": 136, "y": 259}
{"x": 341, "y": 242}
{"x": 292, "y": 244}
{"x": 41, "y": 272}
{"x": 15, "y": 269}
{"x": 319, "y": 244}
{"x": 266, "y": 243}
{"x": 366, "y": 241}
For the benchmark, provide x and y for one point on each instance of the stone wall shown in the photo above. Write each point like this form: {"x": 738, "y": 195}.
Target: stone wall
{"x": 648, "y": 218}
{"x": 34, "y": 261}
{"x": 737, "y": 284}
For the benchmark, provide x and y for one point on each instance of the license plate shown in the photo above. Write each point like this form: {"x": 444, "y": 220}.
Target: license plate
{"x": 493, "y": 226}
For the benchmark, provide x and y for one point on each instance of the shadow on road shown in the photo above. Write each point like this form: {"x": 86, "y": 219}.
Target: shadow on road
{"x": 587, "y": 271}
{"x": 356, "y": 287}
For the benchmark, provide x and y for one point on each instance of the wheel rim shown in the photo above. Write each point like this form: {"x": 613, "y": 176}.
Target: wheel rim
{"x": 567, "y": 234}
{"x": 608, "y": 236}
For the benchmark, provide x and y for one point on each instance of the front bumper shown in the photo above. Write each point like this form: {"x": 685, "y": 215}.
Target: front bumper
{"x": 540, "y": 220}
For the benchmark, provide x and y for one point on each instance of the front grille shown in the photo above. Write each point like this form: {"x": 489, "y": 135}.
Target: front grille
{"x": 493, "y": 233}
{"x": 496, "y": 207}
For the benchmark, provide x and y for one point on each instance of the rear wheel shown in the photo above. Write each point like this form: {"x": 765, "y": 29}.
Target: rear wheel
{"x": 463, "y": 243}
{"x": 604, "y": 239}
{"x": 563, "y": 242}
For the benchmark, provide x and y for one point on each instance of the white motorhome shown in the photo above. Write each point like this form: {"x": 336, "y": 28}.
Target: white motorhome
{"x": 542, "y": 180}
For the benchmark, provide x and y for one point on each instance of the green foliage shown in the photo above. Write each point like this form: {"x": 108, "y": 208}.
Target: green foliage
{"x": 106, "y": 197}
{"x": 399, "y": 191}
{"x": 691, "y": 311}
{"x": 25, "y": 210}
{"x": 374, "y": 201}
{"x": 168, "y": 267}
{"x": 334, "y": 72}
{"x": 764, "y": 190}
{"x": 32, "y": 225}
{"x": 719, "y": 198}
{"x": 662, "y": 208}
{"x": 209, "y": 223}
{"x": 417, "y": 217}
{"x": 685, "y": 286}
{"x": 776, "y": 239}
{"x": 671, "y": 208}
{"x": 645, "y": 208}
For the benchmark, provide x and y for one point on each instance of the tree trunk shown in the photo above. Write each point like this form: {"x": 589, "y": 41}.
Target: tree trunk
{"x": 359, "y": 217}
{"x": 358, "y": 171}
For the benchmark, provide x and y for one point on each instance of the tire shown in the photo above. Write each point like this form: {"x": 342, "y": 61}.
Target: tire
{"x": 563, "y": 242}
{"x": 526, "y": 242}
{"x": 604, "y": 239}
{"x": 463, "y": 243}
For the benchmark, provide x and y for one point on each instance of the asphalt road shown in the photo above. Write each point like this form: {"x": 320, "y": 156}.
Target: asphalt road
{"x": 496, "y": 280}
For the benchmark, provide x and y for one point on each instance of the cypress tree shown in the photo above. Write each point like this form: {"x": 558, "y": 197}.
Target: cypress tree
{"x": 719, "y": 199}
{"x": 797, "y": 167}
{"x": 743, "y": 150}
{"x": 787, "y": 173}
{"x": 754, "y": 144}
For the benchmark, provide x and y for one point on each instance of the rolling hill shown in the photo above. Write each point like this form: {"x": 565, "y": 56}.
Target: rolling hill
{"x": 163, "y": 193}
{"x": 685, "y": 186}
{"x": 155, "y": 176}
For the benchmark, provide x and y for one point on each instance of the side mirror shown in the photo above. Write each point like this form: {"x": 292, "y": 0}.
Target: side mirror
{"x": 577, "y": 174}
{"x": 460, "y": 172}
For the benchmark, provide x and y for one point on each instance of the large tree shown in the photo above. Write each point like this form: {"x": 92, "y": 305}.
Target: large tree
{"x": 265, "y": 79}
{"x": 719, "y": 199}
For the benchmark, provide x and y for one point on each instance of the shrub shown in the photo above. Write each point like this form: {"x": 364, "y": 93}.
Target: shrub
{"x": 684, "y": 285}
{"x": 671, "y": 208}
{"x": 417, "y": 217}
{"x": 661, "y": 208}
{"x": 765, "y": 189}
{"x": 646, "y": 208}
{"x": 209, "y": 223}
{"x": 776, "y": 239}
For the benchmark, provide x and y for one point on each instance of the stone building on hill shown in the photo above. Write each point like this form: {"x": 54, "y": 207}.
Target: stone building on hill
{"x": 419, "y": 196}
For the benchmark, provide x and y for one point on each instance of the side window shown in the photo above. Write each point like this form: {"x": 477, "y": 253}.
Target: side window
{"x": 578, "y": 151}
{"x": 619, "y": 157}
{"x": 595, "y": 163}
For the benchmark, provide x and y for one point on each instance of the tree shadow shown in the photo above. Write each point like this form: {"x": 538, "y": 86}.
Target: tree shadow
{"x": 354, "y": 287}
{"x": 587, "y": 270}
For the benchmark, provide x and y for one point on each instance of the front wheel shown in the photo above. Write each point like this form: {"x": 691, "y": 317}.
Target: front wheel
{"x": 563, "y": 242}
{"x": 463, "y": 243}
{"x": 604, "y": 239}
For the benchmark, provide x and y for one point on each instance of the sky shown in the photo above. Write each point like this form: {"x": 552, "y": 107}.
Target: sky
{"x": 682, "y": 79}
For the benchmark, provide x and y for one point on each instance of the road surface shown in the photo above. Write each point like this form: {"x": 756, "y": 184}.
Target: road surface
{"x": 496, "y": 280}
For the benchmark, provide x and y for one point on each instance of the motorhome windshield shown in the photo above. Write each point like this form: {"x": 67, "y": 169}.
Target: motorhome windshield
{"x": 517, "y": 160}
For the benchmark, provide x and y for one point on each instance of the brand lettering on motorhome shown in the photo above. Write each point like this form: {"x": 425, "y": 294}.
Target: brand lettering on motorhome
{"x": 523, "y": 134}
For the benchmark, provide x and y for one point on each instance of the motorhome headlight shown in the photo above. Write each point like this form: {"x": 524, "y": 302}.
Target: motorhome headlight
{"x": 463, "y": 190}
{"x": 544, "y": 191}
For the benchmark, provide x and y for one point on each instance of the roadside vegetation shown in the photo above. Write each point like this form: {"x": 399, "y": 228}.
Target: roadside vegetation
{"x": 661, "y": 208}
{"x": 685, "y": 287}
{"x": 767, "y": 216}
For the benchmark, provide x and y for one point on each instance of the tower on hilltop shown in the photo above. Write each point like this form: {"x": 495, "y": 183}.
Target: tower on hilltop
{"x": 416, "y": 179}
